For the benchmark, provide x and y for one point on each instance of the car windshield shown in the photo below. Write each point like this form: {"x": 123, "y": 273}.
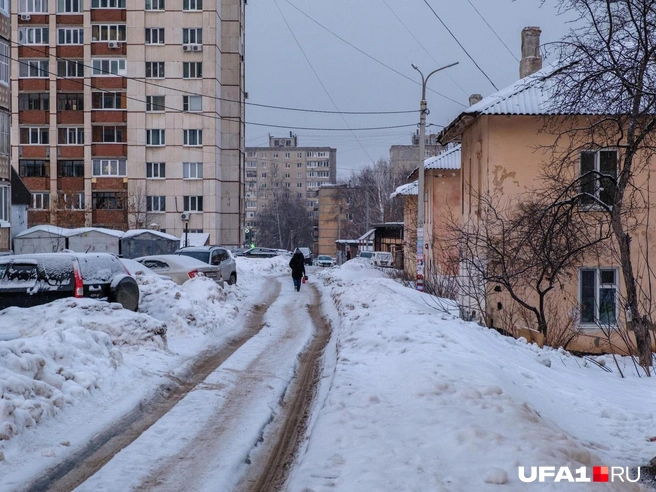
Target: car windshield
{"x": 325, "y": 258}
{"x": 199, "y": 255}
{"x": 365, "y": 254}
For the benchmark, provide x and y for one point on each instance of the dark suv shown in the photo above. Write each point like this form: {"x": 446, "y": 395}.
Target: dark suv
{"x": 35, "y": 279}
{"x": 214, "y": 255}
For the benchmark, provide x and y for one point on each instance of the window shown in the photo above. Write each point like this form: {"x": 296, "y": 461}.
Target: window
{"x": 154, "y": 4}
{"x": 251, "y": 204}
{"x": 192, "y": 35}
{"x": 263, "y": 175}
{"x": 287, "y": 155}
{"x": 300, "y": 175}
{"x": 155, "y": 103}
{"x": 33, "y": 69}
{"x": 156, "y": 203}
{"x": 299, "y": 185}
{"x": 33, "y": 35}
{"x": 192, "y": 170}
{"x": 192, "y": 103}
{"x": 108, "y": 66}
{"x": 155, "y": 70}
{"x": 299, "y": 165}
{"x": 299, "y": 155}
{"x": 70, "y": 36}
{"x": 32, "y": 6}
{"x": 70, "y": 68}
{"x": 4, "y": 203}
{"x": 70, "y": 101}
{"x": 192, "y": 70}
{"x": 70, "y": 136}
{"x": 72, "y": 201}
{"x": 155, "y": 170}
{"x": 156, "y": 137}
{"x": 30, "y": 168}
{"x": 69, "y": 6}
{"x": 251, "y": 165}
{"x": 155, "y": 35}
{"x": 34, "y": 136}
{"x": 34, "y": 102}
{"x": 5, "y": 132}
{"x": 598, "y": 291}
{"x": 108, "y": 100}
{"x": 107, "y": 4}
{"x": 108, "y": 32}
{"x": 251, "y": 174}
{"x": 41, "y": 201}
{"x": 192, "y": 203}
{"x": 192, "y": 138}
{"x": 4, "y": 63}
{"x": 598, "y": 174}
{"x": 288, "y": 185}
{"x": 107, "y": 200}
{"x": 108, "y": 167}
{"x": 109, "y": 134}
{"x": 70, "y": 169}
{"x": 192, "y": 4}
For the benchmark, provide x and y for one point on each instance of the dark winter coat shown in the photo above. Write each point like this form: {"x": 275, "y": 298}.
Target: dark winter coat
{"x": 297, "y": 264}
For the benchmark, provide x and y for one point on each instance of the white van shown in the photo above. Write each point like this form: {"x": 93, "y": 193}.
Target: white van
{"x": 381, "y": 259}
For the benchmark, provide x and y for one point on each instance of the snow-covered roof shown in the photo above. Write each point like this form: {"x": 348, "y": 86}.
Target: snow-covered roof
{"x": 54, "y": 230}
{"x": 137, "y": 232}
{"x": 406, "y": 189}
{"x": 449, "y": 159}
{"x": 102, "y": 230}
{"x": 367, "y": 235}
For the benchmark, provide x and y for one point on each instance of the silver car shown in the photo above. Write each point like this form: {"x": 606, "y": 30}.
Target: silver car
{"x": 181, "y": 268}
{"x": 214, "y": 255}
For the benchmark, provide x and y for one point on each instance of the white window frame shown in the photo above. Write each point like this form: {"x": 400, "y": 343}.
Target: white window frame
{"x": 192, "y": 35}
{"x": 103, "y": 33}
{"x": 192, "y": 5}
{"x": 70, "y": 6}
{"x": 103, "y": 168}
{"x": 192, "y": 170}
{"x": 30, "y": 36}
{"x": 599, "y": 285}
{"x": 40, "y": 200}
{"x": 156, "y": 204}
{"x": 250, "y": 204}
{"x": 251, "y": 165}
{"x": 157, "y": 69}
{"x": 5, "y": 67}
{"x": 192, "y": 138}
{"x": 32, "y": 6}
{"x": 192, "y": 70}
{"x": 151, "y": 104}
{"x": 73, "y": 201}
{"x": 155, "y": 36}
{"x": 192, "y": 104}
{"x": 5, "y": 201}
{"x": 156, "y": 170}
{"x": 155, "y": 137}
{"x": 107, "y": 4}
{"x": 74, "y": 135}
{"x": 597, "y": 178}
{"x": 33, "y": 69}
{"x": 191, "y": 203}
{"x": 108, "y": 67}
{"x": 154, "y": 5}
{"x": 70, "y": 35}
{"x": 36, "y": 135}
{"x": 105, "y": 96}
{"x": 72, "y": 69}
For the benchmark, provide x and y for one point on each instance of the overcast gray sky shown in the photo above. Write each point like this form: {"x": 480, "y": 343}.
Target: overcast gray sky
{"x": 296, "y": 59}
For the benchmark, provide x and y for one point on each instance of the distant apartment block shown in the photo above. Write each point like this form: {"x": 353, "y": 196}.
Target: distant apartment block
{"x": 405, "y": 158}
{"x": 5, "y": 132}
{"x": 127, "y": 113}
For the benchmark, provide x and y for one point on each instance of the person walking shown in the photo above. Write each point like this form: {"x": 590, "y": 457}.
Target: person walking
{"x": 297, "y": 264}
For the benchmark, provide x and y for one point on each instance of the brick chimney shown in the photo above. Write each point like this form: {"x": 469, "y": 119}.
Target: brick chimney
{"x": 474, "y": 98}
{"x": 531, "y": 60}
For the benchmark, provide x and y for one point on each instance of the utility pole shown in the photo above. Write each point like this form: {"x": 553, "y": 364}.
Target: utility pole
{"x": 420, "y": 188}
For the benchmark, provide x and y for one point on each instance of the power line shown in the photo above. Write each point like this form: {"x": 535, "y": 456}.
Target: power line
{"x": 460, "y": 44}
{"x": 492, "y": 29}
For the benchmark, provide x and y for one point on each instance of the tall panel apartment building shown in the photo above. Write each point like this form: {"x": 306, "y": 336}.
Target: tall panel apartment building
{"x": 283, "y": 165}
{"x": 5, "y": 119}
{"x": 405, "y": 158}
{"x": 128, "y": 113}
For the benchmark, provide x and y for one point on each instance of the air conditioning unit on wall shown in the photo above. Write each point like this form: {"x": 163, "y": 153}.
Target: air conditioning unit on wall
{"x": 25, "y": 17}
{"x": 114, "y": 45}
{"x": 186, "y": 47}
{"x": 185, "y": 216}
{"x": 197, "y": 47}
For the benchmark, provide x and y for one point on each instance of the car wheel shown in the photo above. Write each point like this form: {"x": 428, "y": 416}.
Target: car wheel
{"x": 126, "y": 293}
{"x": 233, "y": 279}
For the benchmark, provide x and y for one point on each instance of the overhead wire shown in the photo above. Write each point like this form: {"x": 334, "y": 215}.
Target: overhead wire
{"x": 492, "y": 29}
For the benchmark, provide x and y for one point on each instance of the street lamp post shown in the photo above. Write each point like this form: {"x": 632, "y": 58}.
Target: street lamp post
{"x": 420, "y": 182}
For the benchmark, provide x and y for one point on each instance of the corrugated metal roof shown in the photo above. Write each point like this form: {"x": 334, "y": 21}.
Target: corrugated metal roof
{"x": 449, "y": 159}
{"x": 406, "y": 189}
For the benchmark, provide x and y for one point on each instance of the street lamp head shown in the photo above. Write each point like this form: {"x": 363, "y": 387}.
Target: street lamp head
{"x": 415, "y": 66}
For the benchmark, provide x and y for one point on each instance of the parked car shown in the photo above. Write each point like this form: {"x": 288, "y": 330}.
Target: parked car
{"x": 214, "y": 255}
{"x": 135, "y": 268}
{"x": 181, "y": 268}
{"x": 307, "y": 254}
{"x": 260, "y": 253}
{"x": 325, "y": 261}
{"x": 381, "y": 259}
{"x": 365, "y": 254}
{"x": 34, "y": 279}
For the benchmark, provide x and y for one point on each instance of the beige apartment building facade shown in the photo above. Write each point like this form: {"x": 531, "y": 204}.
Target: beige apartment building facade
{"x": 5, "y": 122}
{"x": 405, "y": 158}
{"x": 129, "y": 114}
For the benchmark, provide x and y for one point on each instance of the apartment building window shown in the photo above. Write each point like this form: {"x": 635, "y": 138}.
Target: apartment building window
{"x": 299, "y": 165}
{"x": 70, "y": 101}
{"x": 299, "y": 185}
{"x": 323, "y": 174}
{"x": 154, "y": 35}
{"x": 251, "y": 185}
{"x": 34, "y": 136}
{"x": 5, "y": 133}
{"x": 251, "y": 174}
{"x": 300, "y": 175}
{"x": 4, "y": 202}
{"x": 192, "y": 138}
{"x": 108, "y": 167}
{"x": 192, "y": 170}
{"x": 72, "y": 201}
{"x": 70, "y": 136}
{"x": 598, "y": 174}
{"x": 69, "y": 6}
{"x": 156, "y": 204}
{"x": 108, "y": 100}
{"x": 192, "y": 203}
{"x": 155, "y": 70}
{"x": 263, "y": 175}
{"x": 33, "y": 69}
{"x": 598, "y": 296}
{"x": 155, "y": 170}
{"x": 109, "y": 134}
{"x": 155, "y": 137}
{"x": 70, "y": 169}
{"x": 34, "y": 101}
{"x": 288, "y": 185}
{"x": 251, "y": 204}
{"x": 192, "y": 103}
{"x": 108, "y": 32}
{"x": 33, "y": 168}
{"x": 192, "y": 35}
{"x": 108, "y": 200}
{"x": 70, "y": 68}
{"x": 192, "y": 5}
{"x": 251, "y": 165}
{"x": 264, "y": 165}
{"x": 4, "y": 63}
{"x": 251, "y": 153}
{"x": 154, "y": 4}
{"x": 108, "y": 66}
{"x": 41, "y": 200}
{"x": 33, "y": 6}
{"x": 107, "y": 4}
{"x": 287, "y": 155}
{"x": 299, "y": 155}
{"x": 192, "y": 70}
{"x": 287, "y": 176}
{"x": 69, "y": 35}
{"x": 33, "y": 35}
{"x": 155, "y": 103}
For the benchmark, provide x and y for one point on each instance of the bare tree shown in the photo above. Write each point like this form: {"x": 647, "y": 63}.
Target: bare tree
{"x": 285, "y": 223}
{"x": 140, "y": 208}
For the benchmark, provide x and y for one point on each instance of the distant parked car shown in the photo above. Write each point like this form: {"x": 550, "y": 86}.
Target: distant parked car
{"x": 365, "y": 254}
{"x": 214, "y": 255}
{"x": 325, "y": 261}
{"x": 135, "y": 269}
{"x": 260, "y": 253}
{"x": 381, "y": 259}
{"x": 181, "y": 268}
{"x": 34, "y": 279}
{"x": 307, "y": 254}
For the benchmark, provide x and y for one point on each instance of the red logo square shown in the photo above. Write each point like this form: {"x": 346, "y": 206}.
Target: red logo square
{"x": 600, "y": 474}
